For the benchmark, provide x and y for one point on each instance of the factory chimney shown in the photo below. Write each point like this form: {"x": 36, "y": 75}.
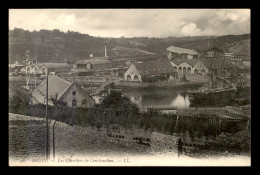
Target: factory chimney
{"x": 106, "y": 49}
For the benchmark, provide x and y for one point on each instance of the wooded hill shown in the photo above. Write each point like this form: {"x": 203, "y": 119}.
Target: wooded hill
{"x": 55, "y": 46}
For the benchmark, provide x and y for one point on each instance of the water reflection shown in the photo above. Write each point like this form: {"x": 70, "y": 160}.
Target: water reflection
{"x": 158, "y": 99}
{"x": 181, "y": 101}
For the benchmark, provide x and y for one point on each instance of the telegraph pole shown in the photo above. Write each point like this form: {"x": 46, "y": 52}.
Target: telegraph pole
{"x": 53, "y": 139}
{"x": 185, "y": 99}
{"x": 47, "y": 125}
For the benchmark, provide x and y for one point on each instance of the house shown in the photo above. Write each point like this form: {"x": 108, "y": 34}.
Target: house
{"x": 62, "y": 92}
{"x": 30, "y": 66}
{"x": 236, "y": 59}
{"x": 178, "y": 53}
{"x": 246, "y": 61}
{"x": 214, "y": 52}
{"x": 199, "y": 66}
{"x": 151, "y": 71}
{"x": 186, "y": 66}
{"x": 95, "y": 63}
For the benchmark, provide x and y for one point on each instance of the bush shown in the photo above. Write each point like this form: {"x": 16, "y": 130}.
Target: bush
{"x": 238, "y": 142}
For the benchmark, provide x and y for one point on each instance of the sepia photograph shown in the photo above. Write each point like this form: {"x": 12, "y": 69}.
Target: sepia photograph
{"x": 129, "y": 87}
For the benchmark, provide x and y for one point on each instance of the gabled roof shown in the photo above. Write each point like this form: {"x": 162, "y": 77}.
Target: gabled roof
{"x": 154, "y": 67}
{"x": 55, "y": 85}
{"x": 215, "y": 49}
{"x": 54, "y": 65}
{"x": 191, "y": 62}
{"x": 101, "y": 87}
{"x": 181, "y": 50}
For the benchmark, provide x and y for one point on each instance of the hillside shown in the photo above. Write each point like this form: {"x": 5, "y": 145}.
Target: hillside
{"x": 239, "y": 48}
{"x": 55, "y": 46}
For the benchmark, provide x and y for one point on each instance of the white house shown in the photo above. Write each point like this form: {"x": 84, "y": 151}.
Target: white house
{"x": 181, "y": 53}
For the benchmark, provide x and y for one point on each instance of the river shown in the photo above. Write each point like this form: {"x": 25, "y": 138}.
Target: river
{"x": 159, "y": 98}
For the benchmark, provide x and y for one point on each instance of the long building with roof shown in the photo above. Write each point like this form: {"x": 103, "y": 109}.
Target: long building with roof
{"x": 63, "y": 92}
{"x": 44, "y": 68}
{"x": 200, "y": 66}
{"x": 96, "y": 63}
{"x": 181, "y": 53}
{"x": 145, "y": 71}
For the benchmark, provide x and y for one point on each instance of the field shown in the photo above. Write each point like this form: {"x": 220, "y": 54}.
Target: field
{"x": 85, "y": 146}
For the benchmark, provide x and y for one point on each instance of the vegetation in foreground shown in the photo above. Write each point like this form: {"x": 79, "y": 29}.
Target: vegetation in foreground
{"x": 118, "y": 111}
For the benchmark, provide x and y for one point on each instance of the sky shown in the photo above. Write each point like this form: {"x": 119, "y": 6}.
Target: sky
{"x": 135, "y": 22}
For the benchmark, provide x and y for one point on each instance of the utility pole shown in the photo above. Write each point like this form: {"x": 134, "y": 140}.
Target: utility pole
{"x": 247, "y": 125}
{"x": 91, "y": 83}
{"x": 176, "y": 123}
{"x": 185, "y": 100}
{"x": 47, "y": 124}
{"x": 53, "y": 139}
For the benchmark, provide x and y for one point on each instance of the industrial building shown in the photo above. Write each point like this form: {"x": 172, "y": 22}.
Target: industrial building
{"x": 152, "y": 71}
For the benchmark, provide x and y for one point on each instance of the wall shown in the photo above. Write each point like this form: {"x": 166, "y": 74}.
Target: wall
{"x": 80, "y": 95}
{"x": 102, "y": 66}
{"x": 70, "y": 140}
{"x": 200, "y": 66}
{"x": 190, "y": 57}
{"x": 186, "y": 65}
{"x": 172, "y": 55}
{"x": 60, "y": 69}
{"x": 132, "y": 71}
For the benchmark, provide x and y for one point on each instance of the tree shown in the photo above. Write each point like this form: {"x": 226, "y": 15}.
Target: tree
{"x": 18, "y": 102}
{"x": 115, "y": 100}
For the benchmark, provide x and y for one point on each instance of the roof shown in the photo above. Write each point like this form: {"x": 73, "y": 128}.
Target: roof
{"x": 215, "y": 49}
{"x": 181, "y": 50}
{"x": 191, "y": 62}
{"x": 153, "y": 67}
{"x": 101, "y": 87}
{"x": 95, "y": 60}
{"x": 55, "y": 85}
{"x": 54, "y": 65}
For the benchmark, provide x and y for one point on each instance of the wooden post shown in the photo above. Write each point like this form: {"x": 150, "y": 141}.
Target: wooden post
{"x": 185, "y": 100}
{"x": 205, "y": 107}
{"x": 176, "y": 123}
{"x": 47, "y": 124}
{"x": 247, "y": 125}
{"x": 53, "y": 140}
{"x": 220, "y": 124}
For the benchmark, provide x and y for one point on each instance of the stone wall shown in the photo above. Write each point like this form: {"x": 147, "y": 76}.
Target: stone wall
{"x": 84, "y": 140}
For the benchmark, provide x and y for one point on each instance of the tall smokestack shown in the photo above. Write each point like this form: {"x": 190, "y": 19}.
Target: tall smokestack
{"x": 105, "y": 49}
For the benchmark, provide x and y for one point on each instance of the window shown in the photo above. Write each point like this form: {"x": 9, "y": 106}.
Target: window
{"x": 74, "y": 103}
{"x": 74, "y": 93}
{"x": 83, "y": 102}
